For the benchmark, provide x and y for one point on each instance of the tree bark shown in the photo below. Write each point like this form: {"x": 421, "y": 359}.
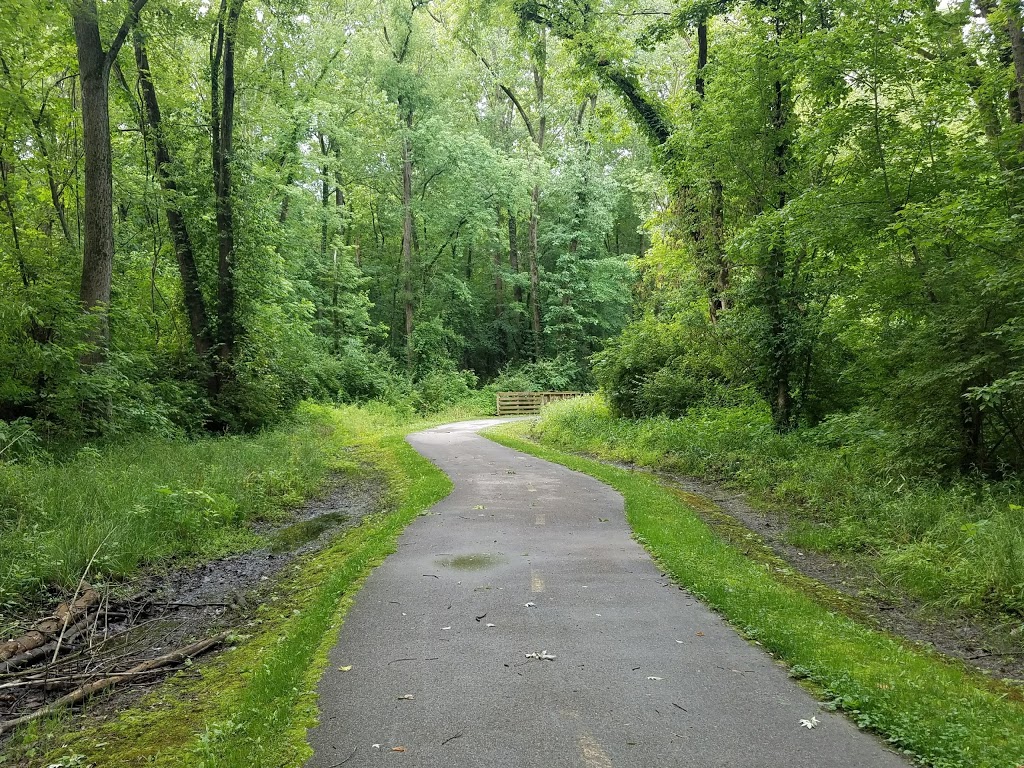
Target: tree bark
{"x": 1016, "y": 33}
{"x": 535, "y": 315}
{"x": 513, "y": 255}
{"x": 780, "y": 353}
{"x": 702, "y": 56}
{"x": 407, "y": 235}
{"x": 195, "y": 304}
{"x": 223, "y": 114}
{"x": 98, "y": 218}
{"x": 98, "y": 232}
{"x": 499, "y": 283}
{"x": 720, "y": 298}
{"x": 23, "y": 272}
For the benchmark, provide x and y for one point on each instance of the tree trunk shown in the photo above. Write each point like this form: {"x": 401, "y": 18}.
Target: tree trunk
{"x": 98, "y": 230}
{"x": 513, "y": 255}
{"x": 499, "y": 283}
{"x": 779, "y": 347}
{"x": 1016, "y": 33}
{"x": 972, "y": 456}
{"x": 535, "y": 316}
{"x": 535, "y": 274}
{"x": 702, "y": 56}
{"x": 195, "y": 304}
{"x": 720, "y": 289}
{"x": 223, "y": 109}
{"x": 407, "y": 235}
{"x": 23, "y": 272}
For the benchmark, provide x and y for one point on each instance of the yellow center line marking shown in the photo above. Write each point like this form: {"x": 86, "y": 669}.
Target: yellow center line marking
{"x": 593, "y": 755}
{"x": 536, "y": 582}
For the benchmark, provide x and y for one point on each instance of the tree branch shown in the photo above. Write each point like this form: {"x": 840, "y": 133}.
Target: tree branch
{"x": 487, "y": 65}
{"x": 126, "y": 26}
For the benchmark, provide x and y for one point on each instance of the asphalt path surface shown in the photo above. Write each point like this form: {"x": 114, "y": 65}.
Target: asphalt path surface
{"x": 527, "y": 557}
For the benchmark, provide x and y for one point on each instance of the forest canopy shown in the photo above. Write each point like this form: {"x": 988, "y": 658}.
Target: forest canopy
{"x": 809, "y": 209}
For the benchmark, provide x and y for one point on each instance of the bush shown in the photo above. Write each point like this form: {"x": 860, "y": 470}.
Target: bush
{"x": 666, "y": 368}
{"x": 553, "y": 374}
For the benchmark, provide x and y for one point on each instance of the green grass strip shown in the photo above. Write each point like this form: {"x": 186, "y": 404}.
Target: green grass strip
{"x": 930, "y": 707}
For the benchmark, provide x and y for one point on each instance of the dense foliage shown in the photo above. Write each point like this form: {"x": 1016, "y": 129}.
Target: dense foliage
{"x": 209, "y": 212}
{"x": 342, "y": 200}
{"x": 841, "y": 224}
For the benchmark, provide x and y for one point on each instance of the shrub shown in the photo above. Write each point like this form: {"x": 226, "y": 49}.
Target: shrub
{"x": 666, "y": 368}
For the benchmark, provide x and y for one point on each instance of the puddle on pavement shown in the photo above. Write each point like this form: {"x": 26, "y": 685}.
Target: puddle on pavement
{"x": 475, "y": 562}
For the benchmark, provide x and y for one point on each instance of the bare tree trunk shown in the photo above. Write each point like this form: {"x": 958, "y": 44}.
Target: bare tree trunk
{"x": 223, "y": 108}
{"x": 98, "y": 230}
{"x": 407, "y": 235}
{"x": 195, "y": 305}
{"x": 98, "y": 238}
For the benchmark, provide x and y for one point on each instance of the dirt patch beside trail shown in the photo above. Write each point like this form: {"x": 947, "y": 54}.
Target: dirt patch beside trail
{"x": 165, "y": 611}
{"x": 990, "y": 643}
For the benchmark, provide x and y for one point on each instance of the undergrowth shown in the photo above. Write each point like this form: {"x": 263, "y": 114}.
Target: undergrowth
{"x": 947, "y": 715}
{"x": 950, "y": 545}
{"x": 150, "y": 501}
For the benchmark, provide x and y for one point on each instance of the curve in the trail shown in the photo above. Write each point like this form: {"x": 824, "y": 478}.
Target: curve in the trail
{"x": 525, "y": 557}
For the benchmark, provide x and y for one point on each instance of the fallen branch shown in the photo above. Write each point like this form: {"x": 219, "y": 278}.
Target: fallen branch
{"x": 81, "y": 584}
{"x": 87, "y": 690}
{"x": 45, "y": 629}
{"x": 43, "y": 682}
{"x": 28, "y": 657}
{"x": 993, "y": 655}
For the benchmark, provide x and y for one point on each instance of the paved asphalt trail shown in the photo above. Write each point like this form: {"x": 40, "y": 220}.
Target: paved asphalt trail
{"x": 645, "y": 675}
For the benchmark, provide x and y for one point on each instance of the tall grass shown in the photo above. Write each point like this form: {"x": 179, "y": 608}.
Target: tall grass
{"x": 252, "y": 706}
{"x": 150, "y": 500}
{"x": 959, "y": 544}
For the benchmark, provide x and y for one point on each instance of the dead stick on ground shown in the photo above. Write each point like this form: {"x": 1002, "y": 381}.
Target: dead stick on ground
{"x": 27, "y": 657}
{"x": 85, "y": 691}
{"x": 37, "y": 682}
{"x": 81, "y": 581}
{"x": 990, "y": 655}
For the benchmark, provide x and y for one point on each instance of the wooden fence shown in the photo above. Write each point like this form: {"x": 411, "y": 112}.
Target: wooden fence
{"x": 525, "y": 403}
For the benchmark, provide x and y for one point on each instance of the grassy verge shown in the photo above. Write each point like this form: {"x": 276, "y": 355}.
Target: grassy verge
{"x": 252, "y": 706}
{"x": 149, "y": 501}
{"x": 937, "y": 710}
{"x": 957, "y": 545}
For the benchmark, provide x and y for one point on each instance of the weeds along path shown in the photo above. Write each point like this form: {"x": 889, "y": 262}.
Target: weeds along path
{"x": 519, "y": 624}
